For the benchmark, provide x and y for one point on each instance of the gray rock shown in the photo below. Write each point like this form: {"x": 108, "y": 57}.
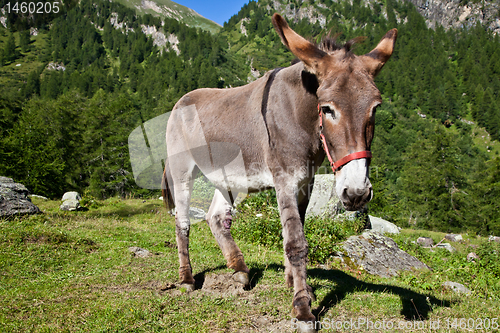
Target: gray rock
{"x": 139, "y": 252}
{"x": 323, "y": 201}
{"x": 196, "y": 214}
{"x": 71, "y": 201}
{"x": 378, "y": 255}
{"x": 446, "y": 246}
{"x": 9, "y": 183}
{"x": 456, "y": 287}
{"x": 14, "y": 199}
{"x": 71, "y": 196}
{"x": 383, "y": 226}
{"x": 425, "y": 241}
{"x": 472, "y": 257}
{"x": 38, "y": 196}
{"x": 70, "y": 205}
{"x": 494, "y": 239}
{"x": 454, "y": 237}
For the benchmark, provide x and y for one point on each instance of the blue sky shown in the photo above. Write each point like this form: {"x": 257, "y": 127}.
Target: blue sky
{"x": 218, "y": 11}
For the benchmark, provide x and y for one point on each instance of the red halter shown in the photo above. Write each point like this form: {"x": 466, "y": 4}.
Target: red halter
{"x": 346, "y": 159}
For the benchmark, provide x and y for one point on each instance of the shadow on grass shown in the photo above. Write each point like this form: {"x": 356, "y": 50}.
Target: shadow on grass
{"x": 415, "y": 306}
{"x": 255, "y": 275}
{"x": 199, "y": 278}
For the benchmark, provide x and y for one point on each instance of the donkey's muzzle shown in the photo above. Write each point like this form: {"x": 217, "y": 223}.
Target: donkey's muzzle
{"x": 355, "y": 198}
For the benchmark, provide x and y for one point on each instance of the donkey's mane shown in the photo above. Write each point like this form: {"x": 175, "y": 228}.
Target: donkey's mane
{"x": 329, "y": 44}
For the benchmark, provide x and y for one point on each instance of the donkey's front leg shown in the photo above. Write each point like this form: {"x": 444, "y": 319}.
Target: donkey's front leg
{"x": 295, "y": 247}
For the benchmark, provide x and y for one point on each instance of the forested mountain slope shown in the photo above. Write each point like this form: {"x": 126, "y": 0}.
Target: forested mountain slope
{"x": 170, "y": 9}
{"x": 460, "y": 13}
{"x": 72, "y": 94}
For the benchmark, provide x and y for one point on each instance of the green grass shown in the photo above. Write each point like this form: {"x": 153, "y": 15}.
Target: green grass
{"x": 72, "y": 271}
{"x": 484, "y": 142}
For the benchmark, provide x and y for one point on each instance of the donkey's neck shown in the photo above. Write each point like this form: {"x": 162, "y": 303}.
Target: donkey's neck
{"x": 293, "y": 118}
{"x": 298, "y": 89}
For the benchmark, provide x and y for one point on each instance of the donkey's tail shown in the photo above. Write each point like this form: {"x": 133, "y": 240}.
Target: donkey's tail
{"x": 167, "y": 193}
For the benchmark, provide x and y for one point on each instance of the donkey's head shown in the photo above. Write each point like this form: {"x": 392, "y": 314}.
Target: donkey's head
{"x": 347, "y": 99}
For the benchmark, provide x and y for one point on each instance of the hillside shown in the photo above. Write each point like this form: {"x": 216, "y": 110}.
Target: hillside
{"x": 170, "y": 9}
{"x": 460, "y": 13}
{"x": 73, "y": 93}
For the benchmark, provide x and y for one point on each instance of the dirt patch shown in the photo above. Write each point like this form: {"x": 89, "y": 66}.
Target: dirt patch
{"x": 218, "y": 285}
{"x": 222, "y": 285}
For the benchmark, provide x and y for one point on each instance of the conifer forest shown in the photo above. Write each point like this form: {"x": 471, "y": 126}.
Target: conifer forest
{"x": 436, "y": 162}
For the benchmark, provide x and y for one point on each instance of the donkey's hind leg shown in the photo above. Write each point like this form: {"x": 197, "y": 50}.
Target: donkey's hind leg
{"x": 183, "y": 189}
{"x": 219, "y": 219}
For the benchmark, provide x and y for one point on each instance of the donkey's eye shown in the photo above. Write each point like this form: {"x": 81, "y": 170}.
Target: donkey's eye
{"x": 327, "y": 110}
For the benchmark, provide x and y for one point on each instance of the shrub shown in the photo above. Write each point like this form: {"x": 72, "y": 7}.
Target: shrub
{"x": 264, "y": 229}
{"x": 258, "y": 222}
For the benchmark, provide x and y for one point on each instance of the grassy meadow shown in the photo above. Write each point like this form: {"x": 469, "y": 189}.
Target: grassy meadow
{"x": 72, "y": 271}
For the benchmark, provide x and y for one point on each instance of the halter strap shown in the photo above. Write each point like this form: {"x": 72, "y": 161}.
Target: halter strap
{"x": 344, "y": 160}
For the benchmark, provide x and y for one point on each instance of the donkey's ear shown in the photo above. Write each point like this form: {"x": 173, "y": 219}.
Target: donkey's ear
{"x": 300, "y": 47}
{"x": 376, "y": 59}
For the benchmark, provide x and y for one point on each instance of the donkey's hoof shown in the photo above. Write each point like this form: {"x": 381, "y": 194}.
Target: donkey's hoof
{"x": 242, "y": 278}
{"x": 187, "y": 286}
{"x": 305, "y": 326}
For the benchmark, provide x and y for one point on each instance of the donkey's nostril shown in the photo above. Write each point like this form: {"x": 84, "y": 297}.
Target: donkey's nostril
{"x": 345, "y": 190}
{"x": 345, "y": 194}
{"x": 355, "y": 197}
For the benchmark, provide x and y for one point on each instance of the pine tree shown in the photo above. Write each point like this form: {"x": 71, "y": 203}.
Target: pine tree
{"x": 24, "y": 40}
{"x": 32, "y": 86}
{"x": 432, "y": 185}
{"x": 9, "y": 51}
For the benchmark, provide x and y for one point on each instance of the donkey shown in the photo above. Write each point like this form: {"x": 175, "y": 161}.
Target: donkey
{"x": 283, "y": 124}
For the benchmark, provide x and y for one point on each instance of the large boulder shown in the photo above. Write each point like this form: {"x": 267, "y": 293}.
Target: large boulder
{"x": 324, "y": 200}
{"x": 14, "y": 199}
{"x": 378, "y": 255}
{"x": 71, "y": 201}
